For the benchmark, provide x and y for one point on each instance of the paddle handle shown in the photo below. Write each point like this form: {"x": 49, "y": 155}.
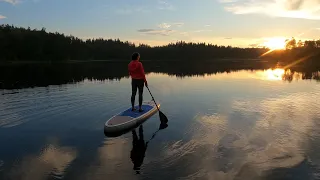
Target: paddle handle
{"x": 153, "y": 98}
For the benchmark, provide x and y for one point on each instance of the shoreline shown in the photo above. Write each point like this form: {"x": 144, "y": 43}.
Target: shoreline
{"x": 219, "y": 60}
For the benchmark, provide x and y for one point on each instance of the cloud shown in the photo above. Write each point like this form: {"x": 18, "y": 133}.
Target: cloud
{"x": 228, "y": 38}
{"x": 207, "y": 25}
{"x": 164, "y": 25}
{"x": 168, "y": 25}
{"x": 294, "y": 5}
{"x": 163, "y": 5}
{"x": 14, "y": 2}
{"x": 163, "y": 32}
{"x": 178, "y": 24}
{"x": 275, "y": 131}
{"x": 114, "y": 151}
{"x": 304, "y": 9}
{"x": 2, "y": 17}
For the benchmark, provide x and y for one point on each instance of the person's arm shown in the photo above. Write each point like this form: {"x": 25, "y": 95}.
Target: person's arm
{"x": 144, "y": 75}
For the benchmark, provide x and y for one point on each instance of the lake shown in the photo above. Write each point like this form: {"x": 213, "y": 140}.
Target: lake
{"x": 238, "y": 124}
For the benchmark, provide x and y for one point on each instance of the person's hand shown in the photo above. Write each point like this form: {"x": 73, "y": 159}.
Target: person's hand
{"x": 146, "y": 83}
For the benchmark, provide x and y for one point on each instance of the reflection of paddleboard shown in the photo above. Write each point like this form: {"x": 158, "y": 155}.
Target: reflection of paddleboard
{"x": 129, "y": 119}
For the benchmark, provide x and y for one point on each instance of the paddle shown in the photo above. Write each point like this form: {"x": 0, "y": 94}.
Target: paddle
{"x": 163, "y": 118}
{"x": 161, "y": 127}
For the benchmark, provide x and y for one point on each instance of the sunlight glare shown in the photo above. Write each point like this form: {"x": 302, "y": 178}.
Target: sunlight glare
{"x": 275, "y": 43}
{"x": 271, "y": 74}
{"x": 275, "y": 74}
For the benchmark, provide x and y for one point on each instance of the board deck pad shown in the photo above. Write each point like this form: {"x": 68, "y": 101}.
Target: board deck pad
{"x": 128, "y": 118}
{"x": 119, "y": 120}
{"x": 136, "y": 113}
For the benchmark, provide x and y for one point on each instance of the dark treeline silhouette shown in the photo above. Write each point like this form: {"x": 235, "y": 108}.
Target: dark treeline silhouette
{"x": 20, "y": 44}
{"x": 25, "y": 45}
{"x": 42, "y": 75}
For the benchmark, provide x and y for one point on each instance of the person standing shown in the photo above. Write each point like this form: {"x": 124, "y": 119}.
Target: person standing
{"x": 138, "y": 79}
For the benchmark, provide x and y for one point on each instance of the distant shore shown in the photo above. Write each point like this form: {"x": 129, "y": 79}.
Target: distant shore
{"x": 218, "y": 60}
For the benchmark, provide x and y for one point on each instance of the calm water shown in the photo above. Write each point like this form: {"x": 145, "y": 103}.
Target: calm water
{"x": 237, "y": 125}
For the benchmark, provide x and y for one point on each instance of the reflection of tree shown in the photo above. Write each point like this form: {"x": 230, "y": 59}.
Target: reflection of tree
{"x": 24, "y": 76}
{"x": 307, "y": 75}
{"x": 290, "y": 75}
{"x": 316, "y": 76}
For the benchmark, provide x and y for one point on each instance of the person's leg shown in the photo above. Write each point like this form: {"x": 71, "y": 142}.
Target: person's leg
{"x": 134, "y": 138}
{"x": 134, "y": 92}
{"x": 140, "y": 86}
{"x": 141, "y": 133}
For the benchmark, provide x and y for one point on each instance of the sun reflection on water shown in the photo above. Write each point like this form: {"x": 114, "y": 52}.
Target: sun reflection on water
{"x": 273, "y": 74}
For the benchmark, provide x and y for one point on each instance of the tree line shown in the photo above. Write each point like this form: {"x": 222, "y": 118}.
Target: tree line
{"x": 26, "y": 44}
{"x": 21, "y": 44}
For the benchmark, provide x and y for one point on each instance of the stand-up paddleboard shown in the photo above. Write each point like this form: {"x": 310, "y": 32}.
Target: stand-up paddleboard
{"x": 129, "y": 119}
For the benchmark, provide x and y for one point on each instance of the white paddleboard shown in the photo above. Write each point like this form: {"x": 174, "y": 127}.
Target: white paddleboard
{"x": 128, "y": 119}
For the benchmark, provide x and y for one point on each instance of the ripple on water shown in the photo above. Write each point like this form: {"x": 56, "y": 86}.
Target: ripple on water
{"x": 44, "y": 104}
{"x": 277, "y": 138}
{"x": 1, "y": 164}
{"x": 52, "y": 161}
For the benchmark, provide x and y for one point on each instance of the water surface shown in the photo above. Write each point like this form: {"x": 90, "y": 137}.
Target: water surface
{"x": 243, "y": 124}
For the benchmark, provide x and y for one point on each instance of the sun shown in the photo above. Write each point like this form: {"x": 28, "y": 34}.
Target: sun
{"x": 275, "y": 43}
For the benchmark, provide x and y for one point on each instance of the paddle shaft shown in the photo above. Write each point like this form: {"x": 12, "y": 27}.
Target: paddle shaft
{"x": 163, "y": 118}
{"x": 153, "y": 98}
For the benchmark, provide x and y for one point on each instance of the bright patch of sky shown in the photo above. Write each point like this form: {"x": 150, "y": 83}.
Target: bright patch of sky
{"x": 157, "y": 22}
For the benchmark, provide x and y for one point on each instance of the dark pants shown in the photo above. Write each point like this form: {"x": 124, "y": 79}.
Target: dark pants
{"x": 137, "y": 84}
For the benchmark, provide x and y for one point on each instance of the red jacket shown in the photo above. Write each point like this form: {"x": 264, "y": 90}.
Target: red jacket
{"x": 136, "y": 70}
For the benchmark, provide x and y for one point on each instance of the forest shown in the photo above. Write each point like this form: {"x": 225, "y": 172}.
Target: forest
{"x": 26, "y": 44}
{"x": 32, "y": 46}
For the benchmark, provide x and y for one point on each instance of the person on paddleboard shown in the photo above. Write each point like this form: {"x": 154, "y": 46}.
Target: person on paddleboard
{"x": 138, "y": 81}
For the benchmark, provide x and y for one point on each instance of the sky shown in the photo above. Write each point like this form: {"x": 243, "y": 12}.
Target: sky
{"x": 241, "y": 23}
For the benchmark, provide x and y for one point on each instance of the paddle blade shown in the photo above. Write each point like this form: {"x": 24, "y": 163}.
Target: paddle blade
{"x": 163, "y": 118}
{"x": 163, "y": 126}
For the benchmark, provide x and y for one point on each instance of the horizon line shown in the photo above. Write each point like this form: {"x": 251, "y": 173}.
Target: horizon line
{"x": 139, "y": 43}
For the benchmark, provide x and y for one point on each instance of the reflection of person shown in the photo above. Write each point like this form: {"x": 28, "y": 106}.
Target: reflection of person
{"x": 137, "y": 74}
{"x": 139, "y": 148}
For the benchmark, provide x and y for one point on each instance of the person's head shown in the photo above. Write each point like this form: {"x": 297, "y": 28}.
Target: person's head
{"x": 136, "y": 56}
